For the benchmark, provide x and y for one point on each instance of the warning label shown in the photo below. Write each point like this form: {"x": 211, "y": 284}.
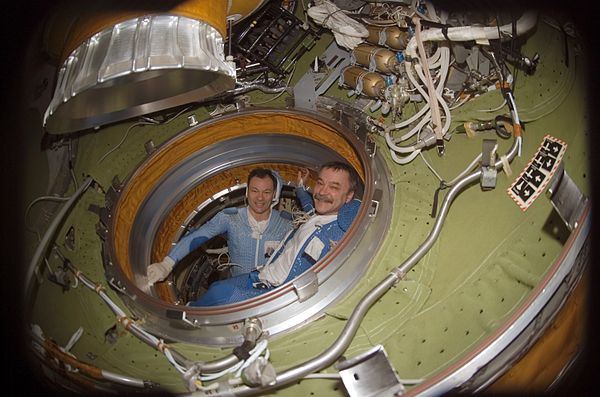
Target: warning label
{"x": 533, "y": 180}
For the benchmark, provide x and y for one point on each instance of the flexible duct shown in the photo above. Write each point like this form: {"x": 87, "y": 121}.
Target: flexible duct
{"x": 467, "y": 33}
{"x": 130, "y": 60}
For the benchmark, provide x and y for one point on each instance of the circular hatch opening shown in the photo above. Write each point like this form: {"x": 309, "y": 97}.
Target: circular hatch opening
{"x": 203, "y": 169}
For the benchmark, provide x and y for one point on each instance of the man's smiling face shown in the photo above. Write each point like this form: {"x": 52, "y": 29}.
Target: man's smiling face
{"x": 331, "y": 191}
{"x": 260, "y": 197}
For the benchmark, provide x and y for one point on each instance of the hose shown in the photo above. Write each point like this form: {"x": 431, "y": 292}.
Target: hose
{"x": 329, "y": 356}
{"x": 43, "y": 245}
{"x": 467, "y": 33}
{"x": 90, "y": 370}
{"x": 207, "y": 367}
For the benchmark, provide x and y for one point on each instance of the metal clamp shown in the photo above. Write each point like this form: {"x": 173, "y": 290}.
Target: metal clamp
{"x": 306, "y": 285}
{"x": 373, "y": 209}
{"x": 370, "y": 374}
{"x": 193, "y": 323}
{"x": 488, "y": 161}
{"x": 150, "y": 147}
{"x": 566, "y": 198}
{"x": 371, "y": 147}
{"x": 116, "y": 284}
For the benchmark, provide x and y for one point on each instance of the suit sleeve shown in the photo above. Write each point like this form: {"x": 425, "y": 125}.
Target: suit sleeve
{"x": 305, "y": 199}
{"x": 219, "y": 224}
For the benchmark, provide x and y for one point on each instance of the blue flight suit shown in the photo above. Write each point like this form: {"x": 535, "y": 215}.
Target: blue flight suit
{"x": 246, "y": 286}
{"x": 246, "y": 250}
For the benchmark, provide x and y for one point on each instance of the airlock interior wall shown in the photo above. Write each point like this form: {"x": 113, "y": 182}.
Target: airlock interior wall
{"x": 490, "y": 255}
{"x": 472, "y": 281}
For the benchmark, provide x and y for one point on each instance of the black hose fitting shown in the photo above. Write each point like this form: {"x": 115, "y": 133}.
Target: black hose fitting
{"x": 242, "y": 352}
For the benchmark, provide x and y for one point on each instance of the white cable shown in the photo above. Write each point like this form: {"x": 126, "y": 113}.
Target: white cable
{"x": 494, "y": 109}
{"x": 392, "y": 143}
{"x": 169, "y": 356}
{"x": 459, "y": 176}
{"x": 122, "y": 140}
{"x": 219, "y": 109}
{"x": 121, "y": 314}
{"x": 444, "y": 68}
{"x": 435, "y": 111}
{"x": 238, "y": 367}
{"x": 431, "y": 11}
{"x": 73, "y": 177}
{"x": 414, "y": 81}
{"x": 86, "y": 282}
{"x": 41, "y": 198}
{"x": 407, "y": 159}
{"x": 418, "y": 127}
{"x": 338, "y": 376}
{"x": 434, "y": 60}
{"x": 323, "y": 376}
{"x": 424, "y": 109}
{"x": 461, "y": 102}
{"x": 47, "y": 264}
{"x": 516, "y": 120}
{"x": 146, "y": 121}
{"x": 413, "y": 6}
{"x": 419, "y": 87}
{"x": 426, "y": 118}
{"x": 469, "y": 167}
{"x": 431, "y": 168}
{"x": 514, "y": 108}
{"x": 222, "y": 373}
{"x": 445, "y": 56}
{"x": 76, "y": 283}
{"x": 438, "y": 95}
{"x": 258, "y": 350}
{"x": 73, "y": 339}
{"x": 116, "y": 309}
{"x": 440, "y": 100}
{"x": 447, "y": 115}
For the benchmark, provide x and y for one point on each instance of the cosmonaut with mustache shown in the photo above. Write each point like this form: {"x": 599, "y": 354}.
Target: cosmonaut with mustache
{"x": 329, "y": 218}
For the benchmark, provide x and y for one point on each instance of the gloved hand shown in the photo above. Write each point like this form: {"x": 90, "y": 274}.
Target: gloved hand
{"x": 255, "y": 282}
{"x": 160, "y": 270}
{"x": 303, "y": 173}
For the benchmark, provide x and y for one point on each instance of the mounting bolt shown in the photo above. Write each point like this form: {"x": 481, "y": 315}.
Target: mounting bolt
{"x": 252, "y": 329}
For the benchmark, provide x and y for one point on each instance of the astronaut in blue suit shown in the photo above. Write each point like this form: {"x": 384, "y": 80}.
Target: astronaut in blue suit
{"x": 330, "y": 216}
{"x": 253, "y": 232}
